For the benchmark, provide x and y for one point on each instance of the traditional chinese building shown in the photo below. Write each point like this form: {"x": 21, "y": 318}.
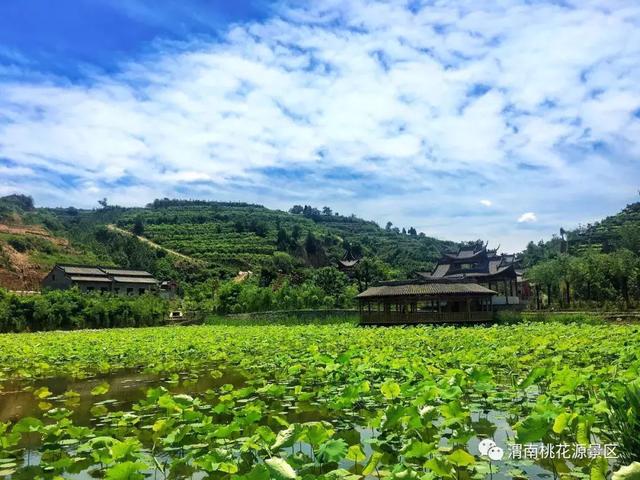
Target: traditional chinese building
{"x": 348, "y": 264}
{"x": 426, "y": 301}
{"x": 498, "y": 272}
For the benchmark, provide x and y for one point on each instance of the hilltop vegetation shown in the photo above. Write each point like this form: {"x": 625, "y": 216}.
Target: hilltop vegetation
{"x": 32, "y": 241}
{"x": 593, "y": 265}
{"x": 238, "y": 236}
{"x": 290, "y": 258}
{"x": 199, "y": 242}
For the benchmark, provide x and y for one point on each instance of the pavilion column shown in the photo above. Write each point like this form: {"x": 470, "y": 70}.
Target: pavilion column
{"x": 506, "y": 293}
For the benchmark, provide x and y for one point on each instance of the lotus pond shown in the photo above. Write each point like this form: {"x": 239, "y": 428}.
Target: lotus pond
{"x": 311, "y": 401}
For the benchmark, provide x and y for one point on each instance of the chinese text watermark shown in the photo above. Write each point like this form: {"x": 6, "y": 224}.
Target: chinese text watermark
{"x": 542, "y": 451}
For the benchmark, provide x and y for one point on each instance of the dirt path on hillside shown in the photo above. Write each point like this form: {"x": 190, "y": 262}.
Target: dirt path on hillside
{"x": 153, "y": 244}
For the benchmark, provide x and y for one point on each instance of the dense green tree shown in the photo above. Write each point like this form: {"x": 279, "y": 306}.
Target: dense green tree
{"x": 18, "y": 202}
{"x": 590, "y": 277}
{"x": 138, "y": 226}
{"x": 369, "y": 271}
{"x": 296, "y": 233}
{"x": 629, "y": 237}
{"x": 278, "y": 264}
{"x": 331, "y": 280}
{"x": 296, "y": 209}
{"x": 623, "y": 265}
{"x": 72, "y": 309}
{"x": 283, "y": 242}
{"x": 311, "y": 244}
{"x": 544, "y": 275}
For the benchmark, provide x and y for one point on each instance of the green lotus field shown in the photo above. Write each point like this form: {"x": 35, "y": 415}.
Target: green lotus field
{"x": 319, "y": 401}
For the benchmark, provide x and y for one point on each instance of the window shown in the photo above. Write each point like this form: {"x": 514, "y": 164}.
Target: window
{"x": 467, "y": 266}
{"x": 116, "y": 290}
{"x": 53, "y": 277}
{"x": 129, "y": 291}
{"x": 89, "y": 289}
{"x": 104, "y": 289}
{"x": 141, "y": 291}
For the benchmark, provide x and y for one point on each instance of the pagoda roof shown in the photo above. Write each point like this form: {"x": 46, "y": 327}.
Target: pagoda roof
{"x": 466, "y": 254}
{"x": 348, "y": 263}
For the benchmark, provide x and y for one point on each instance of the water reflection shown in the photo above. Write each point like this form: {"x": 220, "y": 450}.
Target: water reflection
{"x": 126, "y": 388}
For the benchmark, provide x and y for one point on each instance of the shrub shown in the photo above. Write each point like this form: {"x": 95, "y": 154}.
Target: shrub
{"x": 72, "y": 309}
{"x": 21, "y": 244}
{"x": 623, "y": 422}
{"x": 508, "y": 317}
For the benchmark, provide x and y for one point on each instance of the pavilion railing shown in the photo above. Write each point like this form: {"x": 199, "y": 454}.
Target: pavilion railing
{"x": 381, "y": 318}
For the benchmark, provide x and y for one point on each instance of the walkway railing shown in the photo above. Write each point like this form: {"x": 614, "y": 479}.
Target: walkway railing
{"x": 389, "y": 318}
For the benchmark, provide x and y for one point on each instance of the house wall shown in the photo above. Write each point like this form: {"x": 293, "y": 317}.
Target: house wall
{"x": 93, "y": 286}
{"x": 123, "y": 288}
{"x": 57, "y": 280}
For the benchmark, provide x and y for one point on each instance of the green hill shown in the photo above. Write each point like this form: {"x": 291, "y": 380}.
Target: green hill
{"x": 619, "y": 231}
{"x": 593, "y": 266}
{"x": 197, "y": 240}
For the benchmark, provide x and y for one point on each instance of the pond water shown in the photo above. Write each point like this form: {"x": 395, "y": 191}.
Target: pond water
{"x": 126, "y": 388}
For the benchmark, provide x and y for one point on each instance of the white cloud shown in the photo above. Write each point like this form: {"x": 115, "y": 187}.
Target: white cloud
{"x": 367, "y": 89}
{"x": 527, "y": 217}
{"x": 486, "y": 203}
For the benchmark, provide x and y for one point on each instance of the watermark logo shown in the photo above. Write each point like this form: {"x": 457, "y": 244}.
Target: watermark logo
{"x": 488, "y": 448}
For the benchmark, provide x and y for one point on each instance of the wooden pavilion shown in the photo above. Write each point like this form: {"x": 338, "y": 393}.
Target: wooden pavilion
{"x": 414, "y": 302}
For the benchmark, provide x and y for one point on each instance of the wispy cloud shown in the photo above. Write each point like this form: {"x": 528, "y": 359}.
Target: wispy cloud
{"x": 527, "y": 217}
{"x": 430, "y": 106}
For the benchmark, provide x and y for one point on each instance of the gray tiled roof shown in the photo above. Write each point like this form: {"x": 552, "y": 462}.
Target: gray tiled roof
{"x": 464, "y": 254}
{"x": 81, "y": 273}
{"x": 441, "y": 270}
{"x": 425, "y": 289}
{"x": 87, "y": 278}
{"x": 146, "y": 280}
{"x": 494, "y": 266}
{"x": 74, "y": 270}
{"x": 122, "y": 272}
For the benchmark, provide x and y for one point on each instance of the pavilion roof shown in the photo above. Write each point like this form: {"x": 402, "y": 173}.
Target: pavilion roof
{"x": 425, "y": 289}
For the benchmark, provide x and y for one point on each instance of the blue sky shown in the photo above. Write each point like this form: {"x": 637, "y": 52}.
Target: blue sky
{"x": 502, "y": 120}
